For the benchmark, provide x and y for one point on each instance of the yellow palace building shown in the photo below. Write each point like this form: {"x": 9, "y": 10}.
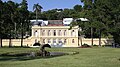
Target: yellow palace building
{"x": 57, "y": 33}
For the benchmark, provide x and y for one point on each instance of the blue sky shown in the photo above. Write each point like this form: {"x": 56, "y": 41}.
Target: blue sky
{"x": 51, "y": 4}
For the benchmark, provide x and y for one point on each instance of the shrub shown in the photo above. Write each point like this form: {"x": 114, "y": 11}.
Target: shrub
{"x": 85, "y": 46}
{"x": 95, "y": 45}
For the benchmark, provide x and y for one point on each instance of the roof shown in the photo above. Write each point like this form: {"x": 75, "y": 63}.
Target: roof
{"x": 55, "y": 22}
{"x": 39, "y": 22}
{"x": 83, "y": 19}
{"x": 67, "y": 21}
{"x": 36, "y": 22}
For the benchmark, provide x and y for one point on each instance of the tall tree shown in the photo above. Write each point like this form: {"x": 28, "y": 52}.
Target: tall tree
{"x": 1, "y": 22}
{"x": 24, "y": 15}
{"x": 109, "y": 15}
{"x": 7, "y": 23}
{"x": 78, "y": 8}
{"x": 88, "y": 10}
{"x": 11, "y": 6}
{"x": 37, "y": 8}
{"x": 104, "y": 17}
{"x": 12, "y": 15}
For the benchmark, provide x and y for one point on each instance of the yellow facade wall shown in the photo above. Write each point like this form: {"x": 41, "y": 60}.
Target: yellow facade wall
{"x": 42, "y": 37}
{"x": 104, "y": 41}
{"x": 30, "y": 42}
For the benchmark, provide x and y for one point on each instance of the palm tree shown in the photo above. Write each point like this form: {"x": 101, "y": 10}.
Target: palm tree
{"x": 37, "y": 8}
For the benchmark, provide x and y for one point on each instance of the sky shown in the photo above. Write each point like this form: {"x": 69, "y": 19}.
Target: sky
{"x": 51, "y": 4}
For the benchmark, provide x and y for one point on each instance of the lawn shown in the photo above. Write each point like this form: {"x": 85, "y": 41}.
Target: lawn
{"x": 87, "y": 57}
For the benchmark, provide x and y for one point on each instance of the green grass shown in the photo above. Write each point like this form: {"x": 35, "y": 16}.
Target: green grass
{"x": 87, "y": 57}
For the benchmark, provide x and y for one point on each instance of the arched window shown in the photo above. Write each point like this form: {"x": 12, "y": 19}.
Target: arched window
{"x": 65, "y": 40}
{"x": 73, "y": 33}
{"x": 59, "y": 33}
{"x": 43, "y": 40}
{"x": 65, "y": 33}
{"x": 54, "y": 40}
{"x": 54, "y": 32}
{"x": 49, "y": 33}
{"x": 43, "y": 32}
{"x": 73, "y": 41}
{"x": 49, "y": 41}
{"x": 36, "y": 41}
{"x": 36, "y": 33}
{"x": 59, "y": 41}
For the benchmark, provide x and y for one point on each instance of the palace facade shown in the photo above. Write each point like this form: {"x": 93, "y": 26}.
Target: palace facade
{"x": 57, "y": 33}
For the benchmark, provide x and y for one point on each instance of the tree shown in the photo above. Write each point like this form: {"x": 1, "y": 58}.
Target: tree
{"x": 87, "y": 4}
{"x": 12, "y": 15}
{"x": 1, "y": 22}
{"x": 105, "y": 14}
{"x": 88, "y": 10}
{"x": 37, "y": 9}
{"x": 6, "y": 23}
{"x": 24, "y": 18}
{"x": 78, "y": 8}
{"x": 11, "y": 6}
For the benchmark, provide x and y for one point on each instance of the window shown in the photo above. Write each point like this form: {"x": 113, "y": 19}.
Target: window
{"x": 36, "y": 41}
{"x": 49, "y": 33}
{"x": 54, "y": 32}
{"x": 65, "y": 33}
{"x": 43, "y": 32}
{"x": 60, "y": 41}
{"x": 65, "y": 40}
{"x": 36, "y": 33}
{"x": 73, "y": 41}
{"x": 43, "y": 40}
{"x": 54, "y": 40}
{"x": 49, "y": 41}
{"x": 72, "y": 33}
{"x": 59, "y": 33}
